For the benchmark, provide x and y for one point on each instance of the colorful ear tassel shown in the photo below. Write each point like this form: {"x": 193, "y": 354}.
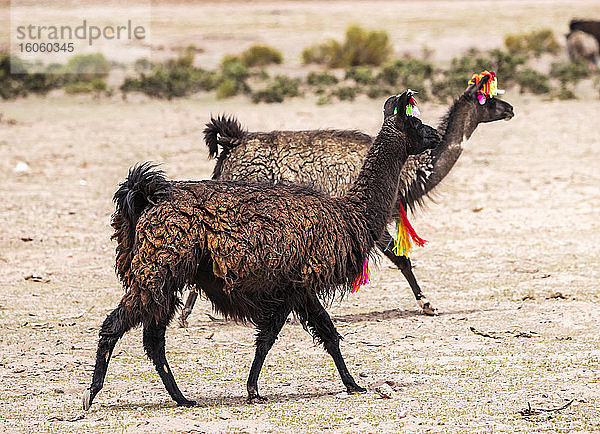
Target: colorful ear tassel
{"x": 404, "y": 234}
{"x": 362, "y": 278}
{"x": 490, "y": 88}
{"x": 411, "y": 107}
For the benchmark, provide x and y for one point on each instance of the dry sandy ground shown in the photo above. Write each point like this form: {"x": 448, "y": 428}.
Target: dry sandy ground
{"x": 516, "y": 223}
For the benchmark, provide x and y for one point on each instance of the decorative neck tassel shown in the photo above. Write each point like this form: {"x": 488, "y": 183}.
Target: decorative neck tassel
{"x": 362, "y": 278}
{"x": 404, "y": 233}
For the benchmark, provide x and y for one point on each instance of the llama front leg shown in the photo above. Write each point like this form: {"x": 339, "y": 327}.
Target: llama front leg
{"x": 404, "y": 265}
{"x": 265, "y": 338}
{"x": 154, "y": 345}
{"x": 116, "y": 324}
{"x": 319, "y": 322}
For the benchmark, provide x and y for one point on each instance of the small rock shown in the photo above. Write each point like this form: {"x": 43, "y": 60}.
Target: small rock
{"x": 556, "y": 295}
{"x": 82, "y": 182}
{"x": 22, "y": 167}
{"x": 225, "y": 415}
{"x": 342, "y": 395}
{"x": 363, "y": 374}
{"x": 385, "y": 391}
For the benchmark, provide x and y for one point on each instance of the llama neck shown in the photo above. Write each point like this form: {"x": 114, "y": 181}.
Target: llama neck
{"x": 456, "y": 127}
{"x": 374, "y": 191}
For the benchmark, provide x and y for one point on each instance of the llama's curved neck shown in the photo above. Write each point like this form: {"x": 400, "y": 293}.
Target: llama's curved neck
{"x": 456, "y": 127}
{"x": 375, "y": 190}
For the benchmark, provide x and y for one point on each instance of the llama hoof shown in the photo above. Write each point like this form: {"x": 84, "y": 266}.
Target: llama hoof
{"x": 87, "y": 399}
{"x": 187, "y": 403}
{"x": 355, "y": 388}
{"x": 256, "y": 399}
{"x": 427, "y": 308}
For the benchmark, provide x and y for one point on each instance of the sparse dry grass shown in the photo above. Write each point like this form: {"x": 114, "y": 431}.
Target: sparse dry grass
{"x": 517, "y": 218}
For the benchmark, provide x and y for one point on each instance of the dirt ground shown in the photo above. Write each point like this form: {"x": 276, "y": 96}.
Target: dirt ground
{"x": 514, "y": 236}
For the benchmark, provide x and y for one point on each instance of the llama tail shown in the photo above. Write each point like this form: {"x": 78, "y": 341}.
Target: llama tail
{"x": 224, "y": 131}
{"x": 144, "y": 186}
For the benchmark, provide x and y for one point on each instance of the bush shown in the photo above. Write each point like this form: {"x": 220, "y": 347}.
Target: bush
{"x": 96, "y": 85}
{"x": 17, "y": 81}
{"x": 454, "y": 81}
{"x": 564, "y": 93}
{"x": 360, "y": 74}
{"x": 88, "y": 66}
{"x": 569, "y": 72}
{"x": 375, "y": 92}
{"x": 345, "y": 93}
{"x": 533, "y": 81}
{"x": 360, "y": 47}
{"x": 536, "y": 43}
{"x": 321, "y": 79}
{"x": 227, "y": 88}
{"x": 142, "y": 65}
{"x": 408, "y": 73}
{"x": 505, "y": 64}
{"x": 175, "y": 78}
{"x": 278, "y": 90}
{"x": 261, "y": 55}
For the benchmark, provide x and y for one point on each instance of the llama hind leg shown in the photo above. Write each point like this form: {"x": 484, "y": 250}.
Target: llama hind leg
{"x": 404, "y": 265}
{"x": 189, "y": 305}
{"x": 154, "y": 345}
{"x": 116, "y": 324}
{"x": 321, "y": 327}
{"x": 265, "y": 338}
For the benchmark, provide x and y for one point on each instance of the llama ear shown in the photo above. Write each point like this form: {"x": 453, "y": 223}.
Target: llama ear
{"x": 476, "y": 87}
{"x": 389, "y": 107}
{"x": 400, "y": 105}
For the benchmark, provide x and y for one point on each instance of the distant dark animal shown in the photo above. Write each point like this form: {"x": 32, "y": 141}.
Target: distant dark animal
{"x": 331, "y": 160}
{"x": 591, "y": 27}
{"x": 258, "y": 251}
{"x": 583, "y": 47}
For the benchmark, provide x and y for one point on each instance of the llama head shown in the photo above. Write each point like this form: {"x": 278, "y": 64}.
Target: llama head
{"x": 482, "y": 94}
{"x": 420, "y": 136}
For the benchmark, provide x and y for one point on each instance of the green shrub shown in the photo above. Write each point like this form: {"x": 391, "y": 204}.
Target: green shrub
{"x": 321, "y": 79}
{"x": 278, "y": 90}
{"x": 375, "y": 92}
{"x": 505, "y": 64}
{"x": 408, "y": 73}
{"x": 96, "y": 85}
{"x": 569, "y": 72}
{"x": 533, "y": 81}
{"x": 15, "y": 80}
{"x": 360, "y": 47}
{"x": 261, "y": 55}
{"x": 88, "y": 66}
{"x": 322, "y": 54}
{"x": 360, "y": 74}
{"x": 454, "y": 80}
{"x": 227, "y": 88}
{"x": 233, "y": 69}
{"x": 536, "y": 42}
{"x": 174, "y": 78}
{"x": 565, "y": 93}
{"x": 142, "y": 65}
{"x": 345, "y": 93}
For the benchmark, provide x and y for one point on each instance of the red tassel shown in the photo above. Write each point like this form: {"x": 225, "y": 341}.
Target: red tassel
{"x": 361, "y": 278}
{"x": 416, "y": 239}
